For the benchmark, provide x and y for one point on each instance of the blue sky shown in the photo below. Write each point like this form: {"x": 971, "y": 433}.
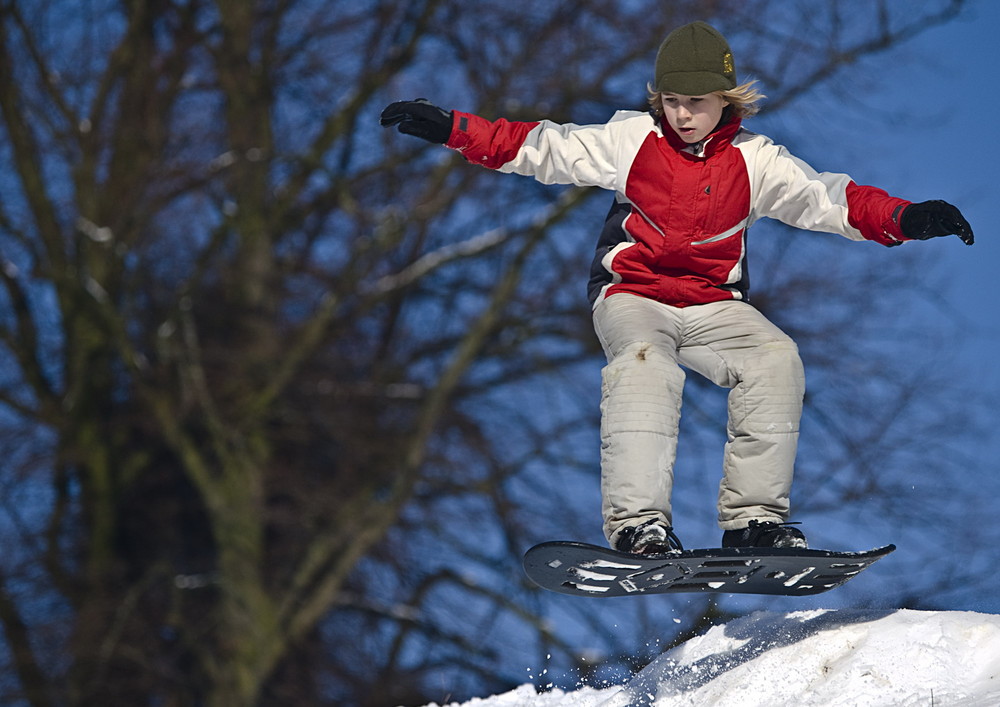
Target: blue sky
{"x": 922, "y": 126}
{"x": 951, "y": 150}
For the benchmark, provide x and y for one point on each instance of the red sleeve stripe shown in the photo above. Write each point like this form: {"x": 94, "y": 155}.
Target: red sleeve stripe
{"x": 490, "y": 144}
{"x": 876, "y": 214}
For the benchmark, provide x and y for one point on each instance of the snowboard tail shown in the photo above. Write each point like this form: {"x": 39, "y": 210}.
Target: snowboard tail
{"x": 581, "y": 569}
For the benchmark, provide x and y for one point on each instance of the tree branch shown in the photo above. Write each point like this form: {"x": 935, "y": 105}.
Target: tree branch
{"x": 33, "y": 680}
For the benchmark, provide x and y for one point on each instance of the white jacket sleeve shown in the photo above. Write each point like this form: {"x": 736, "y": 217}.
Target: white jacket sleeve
{"x": 552, "y": 153}
{"x": 785, "y": 188}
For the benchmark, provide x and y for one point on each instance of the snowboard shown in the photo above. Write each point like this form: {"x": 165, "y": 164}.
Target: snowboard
{"x": 587, "y": 570}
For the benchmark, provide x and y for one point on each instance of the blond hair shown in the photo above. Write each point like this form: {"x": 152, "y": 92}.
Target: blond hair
{"x": 744, "y": 99}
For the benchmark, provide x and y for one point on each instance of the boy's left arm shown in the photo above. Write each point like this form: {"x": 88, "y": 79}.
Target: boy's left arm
{"x": 867, "y": 208}
{"x": 793, "y": 192}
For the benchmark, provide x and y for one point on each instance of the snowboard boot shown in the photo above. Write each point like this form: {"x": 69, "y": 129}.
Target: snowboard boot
{"x": 654, "y": 537}
{"x": 766, "y": 534}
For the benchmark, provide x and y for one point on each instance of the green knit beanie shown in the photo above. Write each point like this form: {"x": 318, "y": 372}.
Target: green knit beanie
{"x": 694, "y": 60}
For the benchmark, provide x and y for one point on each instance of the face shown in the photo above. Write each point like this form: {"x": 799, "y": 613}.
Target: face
{"x": 693, "y": 117}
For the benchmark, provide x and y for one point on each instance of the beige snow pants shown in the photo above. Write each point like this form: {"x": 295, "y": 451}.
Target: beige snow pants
{"x": 736, "y": 347}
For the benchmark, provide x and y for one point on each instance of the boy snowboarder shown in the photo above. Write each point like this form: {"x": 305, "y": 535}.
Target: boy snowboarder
{"x": 669, "y": 286}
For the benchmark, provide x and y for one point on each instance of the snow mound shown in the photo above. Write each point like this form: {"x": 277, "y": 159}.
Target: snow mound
{"x": 843, "y": 658}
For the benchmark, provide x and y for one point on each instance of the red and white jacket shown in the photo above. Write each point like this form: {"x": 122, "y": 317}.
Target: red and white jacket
{"x": 678, "y": 231}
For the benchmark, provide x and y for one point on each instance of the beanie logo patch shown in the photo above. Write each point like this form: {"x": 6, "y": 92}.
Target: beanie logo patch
{"x": 727, "y": 63}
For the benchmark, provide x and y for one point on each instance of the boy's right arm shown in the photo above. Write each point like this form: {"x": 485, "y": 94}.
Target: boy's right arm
{"x": 549, "y": 152}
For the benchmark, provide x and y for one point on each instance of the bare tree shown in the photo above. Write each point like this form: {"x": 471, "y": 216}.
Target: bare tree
{"x": 285, "y": 397}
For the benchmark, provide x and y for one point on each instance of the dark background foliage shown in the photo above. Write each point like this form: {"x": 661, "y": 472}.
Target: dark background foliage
{"x": 285, "y": 396}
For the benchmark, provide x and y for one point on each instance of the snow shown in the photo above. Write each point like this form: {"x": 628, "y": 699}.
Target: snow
{"x": 849, "y": 657}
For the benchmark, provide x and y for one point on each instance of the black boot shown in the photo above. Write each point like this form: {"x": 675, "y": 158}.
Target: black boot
{"x": 766, "y": 534}
{"x": 654, "y": 537}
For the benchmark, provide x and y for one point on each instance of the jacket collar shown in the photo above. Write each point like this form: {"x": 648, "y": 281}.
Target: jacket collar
{"x": 717, "y": 140}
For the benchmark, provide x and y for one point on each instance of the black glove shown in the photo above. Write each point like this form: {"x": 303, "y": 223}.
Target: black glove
{"x": 930, "y": 219}
{"x": 420, "y": 118}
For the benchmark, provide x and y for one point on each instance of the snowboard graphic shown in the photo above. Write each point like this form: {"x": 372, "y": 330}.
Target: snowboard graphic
{"x": 587, "y": 570}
